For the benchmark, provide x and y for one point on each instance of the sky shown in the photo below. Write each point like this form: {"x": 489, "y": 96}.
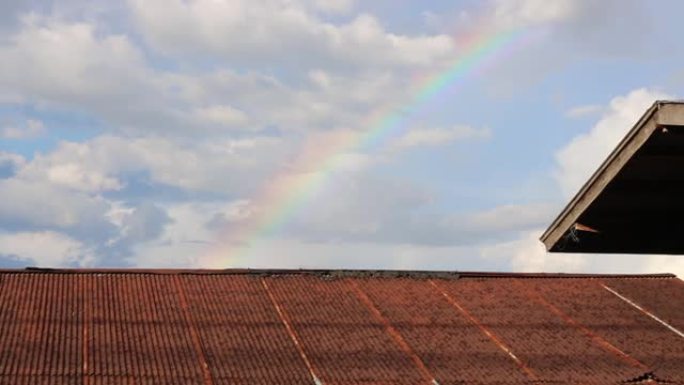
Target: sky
{"x": 382, "y": 134}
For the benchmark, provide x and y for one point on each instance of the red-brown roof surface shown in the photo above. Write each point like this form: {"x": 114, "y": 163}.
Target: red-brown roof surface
{"x": 271, "y": 328}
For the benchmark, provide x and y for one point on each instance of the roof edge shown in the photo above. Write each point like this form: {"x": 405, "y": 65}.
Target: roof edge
{"x": 332, "y": 273}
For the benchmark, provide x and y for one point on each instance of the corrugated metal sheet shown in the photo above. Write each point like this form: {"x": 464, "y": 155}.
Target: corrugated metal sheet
{"x": 118, "y": 327}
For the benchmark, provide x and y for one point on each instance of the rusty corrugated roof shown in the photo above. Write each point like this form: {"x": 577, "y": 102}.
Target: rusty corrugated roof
{"x": 337, "y": 327}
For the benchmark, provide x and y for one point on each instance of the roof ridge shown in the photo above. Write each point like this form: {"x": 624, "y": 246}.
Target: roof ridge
{"x": 379, "y": 273}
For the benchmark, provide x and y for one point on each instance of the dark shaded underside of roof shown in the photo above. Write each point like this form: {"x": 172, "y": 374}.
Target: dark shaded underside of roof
{"x": 642, "y": 208}
{"x": 355, "y": 327}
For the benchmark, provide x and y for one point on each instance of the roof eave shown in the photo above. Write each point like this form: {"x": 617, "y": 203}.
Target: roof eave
{"x": 661, "y": 113}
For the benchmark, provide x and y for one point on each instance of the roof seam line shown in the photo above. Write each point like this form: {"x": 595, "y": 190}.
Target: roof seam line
{"x": 291, "y": 332}
{"x": 597, "y": 339}
{"x": 643, "y": 310}
{"x": 493, "y": 337}
{"x": 394, "y": 333}
{"x": 85, "y": 314}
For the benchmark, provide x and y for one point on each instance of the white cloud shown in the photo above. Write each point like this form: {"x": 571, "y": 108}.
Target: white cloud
{"x": 78, "y": 68}
{"x": 583, "y": 155}
{"x": 31, "y": 204}
{"x": 45, "y": 249}
{"x": 566, "y": 33}
{"x": 325, "y": 100}
{"x": 530, "y": 12}
{"x": 74, "y": 176}
{"x": 144, "y": 222}
{"x": 31, "y": 129}
{"x": 84, "y": 68}
{"x": 271, "y": 30}
{"x": 73, "y": 66}
{"x": 192, "y": 230}
{"x": 76, "y": 166}
{"x": 333, "y": 6}
{"x": 527, "y": 254}
{"x": 362, "y": 207}
{"x": 107, "y": 229}
{"x": 102, "y": 163}
{"x": 438, "y": 136}
{"x": 513, "y": 217}
{"x": 584, "y": 111}
{"x": 222, "y": 115}
{"x": 664, "y": 264}
{"x": 293, "y": 253}
{"x": 56, "y": 60}
{"x": 623, "y": 21}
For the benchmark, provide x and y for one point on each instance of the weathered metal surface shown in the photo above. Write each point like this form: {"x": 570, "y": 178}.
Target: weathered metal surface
{"x": 542, "y": 340}
{"x": 346, "y": 344}
{"x": 624, "y": 326}
{"x": 243, "y": 337}
{"x": 658, "y": 295}
{"x": 299, "y": 328}
{"x": 452, "y": 347}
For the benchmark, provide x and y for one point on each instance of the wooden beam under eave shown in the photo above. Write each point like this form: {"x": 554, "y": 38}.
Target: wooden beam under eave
{"x": 670, "y": 114}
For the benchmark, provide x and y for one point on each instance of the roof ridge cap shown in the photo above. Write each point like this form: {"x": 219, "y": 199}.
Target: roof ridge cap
{"x": 369, "y": 273}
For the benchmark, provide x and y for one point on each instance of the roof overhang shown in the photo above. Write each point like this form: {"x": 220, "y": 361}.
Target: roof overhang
{"x": 634, "y": 202}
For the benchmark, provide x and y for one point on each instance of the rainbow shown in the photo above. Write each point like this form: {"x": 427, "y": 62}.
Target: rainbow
{"x": 288, "y": 192}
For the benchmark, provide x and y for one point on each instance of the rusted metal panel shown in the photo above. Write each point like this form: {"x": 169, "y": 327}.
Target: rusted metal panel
{"x": 39, "y": 326}
{"x": 542, "y": 340}
{"x": 86, "y": 328}
{"x": 137, "y": 327}
{"x": 625, "y": 327}
{"x": 244, "y": 341}
{"x": 658, "y": 295}
{"x": 346, "y": 344}
{"x": 451, "y": 346}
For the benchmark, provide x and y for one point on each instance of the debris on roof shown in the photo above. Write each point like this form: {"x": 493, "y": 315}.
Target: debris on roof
{"x": 632, "y": 203}
{"x": 337, "y": 327}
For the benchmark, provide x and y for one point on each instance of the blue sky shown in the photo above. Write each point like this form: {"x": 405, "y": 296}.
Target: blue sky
{"x": 141, "y": 133}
